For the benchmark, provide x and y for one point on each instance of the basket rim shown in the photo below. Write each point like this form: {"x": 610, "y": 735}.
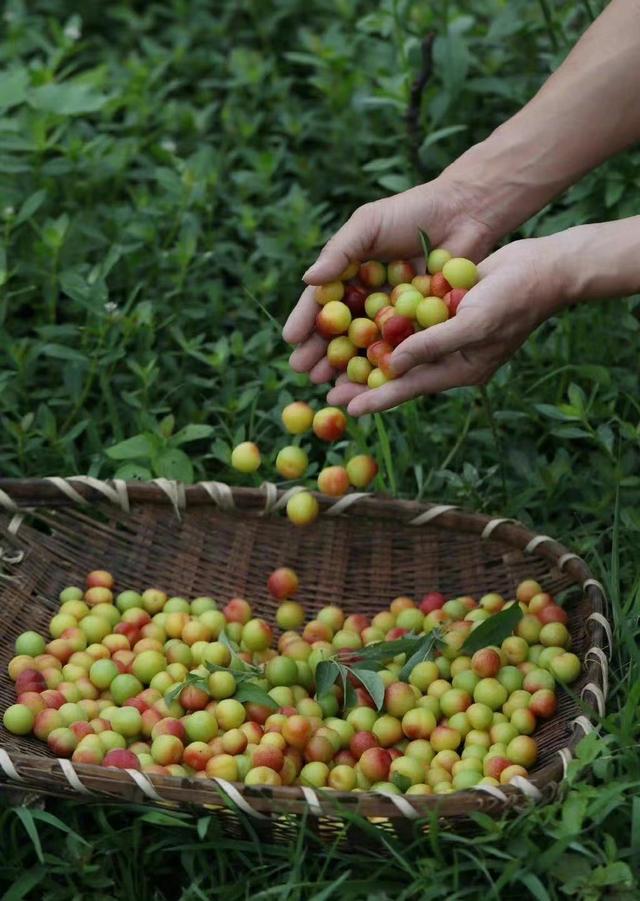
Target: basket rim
{"x": 19, "y": 496}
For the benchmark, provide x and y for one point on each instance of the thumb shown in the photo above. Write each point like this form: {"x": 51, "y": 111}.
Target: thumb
{"x": 347, "y": 245}
{"x": 433, "y": 343}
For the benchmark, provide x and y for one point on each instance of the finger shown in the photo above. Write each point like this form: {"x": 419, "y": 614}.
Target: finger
{"x": 302, "y": 318}
{"x": 349, "y": 243}
{"x": 436, "y": 342}
{"x": 322, "y": 372}
{"x": 343, "y": 393}
{"x": 305, "y": 357}
{"x": 452, "y": 372}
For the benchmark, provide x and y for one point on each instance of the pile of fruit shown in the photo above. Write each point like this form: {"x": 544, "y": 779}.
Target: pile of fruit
{"x": 372, "y": 308}
{"x": 428, "y": 697}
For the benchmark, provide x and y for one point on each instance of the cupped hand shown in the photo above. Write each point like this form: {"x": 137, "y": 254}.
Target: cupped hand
{"x": 386, "y": 229}
{"x": 518, "y": 290}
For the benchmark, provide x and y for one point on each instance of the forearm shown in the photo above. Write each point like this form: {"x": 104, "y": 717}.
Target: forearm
{"x": 587, "y": 111}
{"x": 591, "y": 262}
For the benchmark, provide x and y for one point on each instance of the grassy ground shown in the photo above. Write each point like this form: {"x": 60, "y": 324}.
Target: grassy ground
{"x": 160, "y": 193}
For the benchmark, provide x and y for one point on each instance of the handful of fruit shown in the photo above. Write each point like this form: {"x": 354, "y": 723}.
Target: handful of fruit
{"x": 372, "y": 308}
{"x": 423, "y": 698}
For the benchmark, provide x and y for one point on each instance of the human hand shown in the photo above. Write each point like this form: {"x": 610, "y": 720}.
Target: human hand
{"x": 518, "y": 289}
{"x": 386, "y": 229}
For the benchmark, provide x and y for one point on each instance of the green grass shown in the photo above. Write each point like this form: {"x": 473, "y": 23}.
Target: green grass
{"x": 162, "y": 188}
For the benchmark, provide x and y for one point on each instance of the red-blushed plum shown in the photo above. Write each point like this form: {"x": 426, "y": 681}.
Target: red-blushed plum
{"x": 372, "y": 273}
{"x": 439, "y": 285}
{"x": 333, "y": 481}
{"x": 121, "y": 758}
{"x": 400, "y": 271}
{"x": 333, "y": 319}
{"x": 396, "y": 329}
{"x": 329, "y": 424}
{"x": 527, "y": 589}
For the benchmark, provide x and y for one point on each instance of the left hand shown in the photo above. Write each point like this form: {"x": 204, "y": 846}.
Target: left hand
{"x": 518, "y": 289}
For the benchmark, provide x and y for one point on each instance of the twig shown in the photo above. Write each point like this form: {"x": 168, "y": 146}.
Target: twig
{"x": 484, "y": 394}
{"x": 415, "y": 102}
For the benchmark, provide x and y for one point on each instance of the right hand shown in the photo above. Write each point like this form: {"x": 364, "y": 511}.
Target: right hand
{"x": 386, "y": 229}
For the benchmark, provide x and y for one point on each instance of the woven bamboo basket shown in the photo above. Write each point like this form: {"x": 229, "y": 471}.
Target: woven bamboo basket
{"x": 360, "y": 553}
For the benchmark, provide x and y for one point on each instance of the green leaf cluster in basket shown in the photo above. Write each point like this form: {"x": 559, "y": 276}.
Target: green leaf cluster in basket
{"x": 424, "y": 697}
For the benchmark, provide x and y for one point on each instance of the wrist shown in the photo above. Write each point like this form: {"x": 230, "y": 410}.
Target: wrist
{"x": 507, "y": 177}
{"x": 592, "y": 262}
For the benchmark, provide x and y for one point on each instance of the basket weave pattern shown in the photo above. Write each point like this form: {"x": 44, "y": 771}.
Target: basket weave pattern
{"x": 210, "y": 539}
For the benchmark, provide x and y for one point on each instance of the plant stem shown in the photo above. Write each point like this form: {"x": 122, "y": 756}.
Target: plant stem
{"x": 496, "y": 438}
{"x": 546, "y": 12}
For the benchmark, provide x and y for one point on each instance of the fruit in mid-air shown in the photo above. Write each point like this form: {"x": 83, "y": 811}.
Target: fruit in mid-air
{"x": 297, "y": 417}
{"x": 302, "y": 508}
{"x": 361, "y": 470}
{"x": 283, "y": 582}
{"x": 245, "y": 457}
{"x": 292, "y": 462}
{"x": 329, "y": 424}
{"x": 334, "y": 481}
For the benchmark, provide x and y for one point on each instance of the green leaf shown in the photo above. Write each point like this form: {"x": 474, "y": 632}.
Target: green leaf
{"x": 26, "y": 817}
{"x": 21, "y": 887}
{"x": 62, "y": 352}
{"x": 327, "y": 671}
{"x": 30, "y": 206}
{"x": 138, "y": 446}
{"x": 13, "y": 88}
{"x": 493, "y": 630}
{"x": 375, "y": 656}
{"x": 426, "y": 244}
{"x": 133, "y": 472}
{"x": 434, "y": 137}
{"x": 395, "y": 183}
{"x": 426, "y": 651}
{"x": 172, "y": 463}
{"x": 192, "y": 433}
{"x": 192, "y": 679}
{"x": 402, "y": 782}
{"x": 350, "y": 698}
{"x": 67, "y": 99}
{"x": 249, "y": 692}
{"x": 373, "y": 683}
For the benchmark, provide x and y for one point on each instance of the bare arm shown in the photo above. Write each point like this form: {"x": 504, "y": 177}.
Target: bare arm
{"x": 587, "y": 111}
